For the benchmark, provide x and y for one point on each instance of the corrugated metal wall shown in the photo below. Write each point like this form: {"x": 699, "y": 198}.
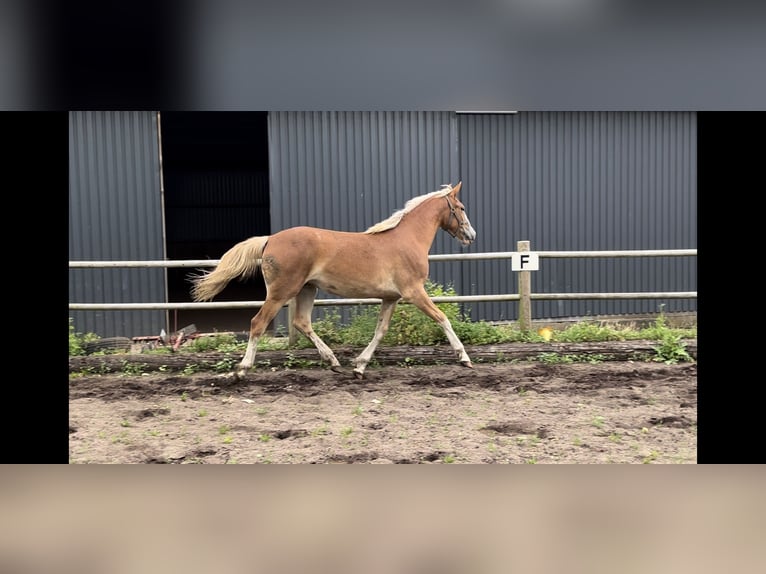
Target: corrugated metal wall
{"x": 582, "y": 181}
{"x": 115, "y": 213}
{"x": 349, "y": 170}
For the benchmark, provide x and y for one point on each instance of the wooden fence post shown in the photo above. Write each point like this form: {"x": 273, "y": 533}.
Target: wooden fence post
{"x": 525, "y": 291}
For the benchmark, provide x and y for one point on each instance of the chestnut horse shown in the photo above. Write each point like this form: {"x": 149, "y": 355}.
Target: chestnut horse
{"x": 388, "y": 261}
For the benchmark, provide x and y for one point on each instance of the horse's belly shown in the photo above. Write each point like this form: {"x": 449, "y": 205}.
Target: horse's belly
{"x": 357, "y": 286}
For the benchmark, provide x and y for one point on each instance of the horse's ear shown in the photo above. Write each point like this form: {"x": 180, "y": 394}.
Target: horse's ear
{"x": 456, "y": 189}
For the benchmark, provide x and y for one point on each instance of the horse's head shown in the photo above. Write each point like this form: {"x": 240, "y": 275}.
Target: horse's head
{"x": 456, "y": 223}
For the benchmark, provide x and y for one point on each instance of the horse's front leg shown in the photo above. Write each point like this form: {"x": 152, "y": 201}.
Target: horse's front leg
{"x": 423, "y": 302}
{"x": 384, "y": 319}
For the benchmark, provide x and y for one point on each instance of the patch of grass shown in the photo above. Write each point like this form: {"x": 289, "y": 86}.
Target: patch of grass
{"x": 202, "y": 413}
{"x": 264, "y": 437}
{"x": 77, "y": 340}
{"x": 448, "y": 458}
{"x": 293, "y": 362}
{"x": 224, "y": 429}
{"x": 222, "y": 342}
{"x": 190, "y": 369}
{"x": 598, "y": 422}
{"x": 123, "y": 438}
{"x": 320, "y": 431}
{"x": 671, "y": 350}
{"x": 650, "y": 458}
{"x": 224, "y": 365}
{"x": 587, "y": 331}
{"x": 554, "y": 359}
{"x": 94, "y": 370}
{"x": 346, "y": 431}
{"x": 134, "y": 368}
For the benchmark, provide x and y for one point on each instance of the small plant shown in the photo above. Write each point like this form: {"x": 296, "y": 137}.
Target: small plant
{"x": 227, "y": 439}
{"x": 650, "y": 458}
{"x": 78, "y": 340}
{"x": 202, "y": 413}
{"x": 125, "y": 423}
{"x": 133, "y": 368}
{"x": 346, "y": 431}
{"x": 224, "y": 365}
{"x": 598, "y": 422}
{"x": 264, "y": 437}
{"x": 357, "y": 411}
{"x": 448, "y": 458}
{"x": 213, "y": 343}
{"x": 554, "y": 359}
{"x": 293, "y": 362}
{"x": 184, "y": 396}
{"x": 587, "y": 331}
{"x": 190, "y": 369}
{"x": 671, "y": 350}
{"x": 224, "y": 429}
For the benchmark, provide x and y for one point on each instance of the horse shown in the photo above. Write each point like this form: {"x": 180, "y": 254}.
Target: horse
{"x": 388, "y": 261}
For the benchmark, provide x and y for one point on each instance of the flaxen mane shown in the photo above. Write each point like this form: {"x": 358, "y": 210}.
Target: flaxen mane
{"x": 394, "y": 220}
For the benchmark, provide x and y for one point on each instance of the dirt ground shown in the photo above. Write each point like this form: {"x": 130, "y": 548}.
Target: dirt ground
{"x": 517, "y": 412}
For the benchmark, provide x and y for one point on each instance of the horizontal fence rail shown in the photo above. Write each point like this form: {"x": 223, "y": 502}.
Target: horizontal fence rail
{"x": 372, "y": 301}
{"x": 443, "y": 257}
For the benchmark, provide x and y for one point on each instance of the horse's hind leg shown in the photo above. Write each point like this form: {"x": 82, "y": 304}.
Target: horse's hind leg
{"x": 258, "y": 325}
{"x": 423, "y": 302}
{"x": 384, "y": 318}
{"x": 304, "y": 303}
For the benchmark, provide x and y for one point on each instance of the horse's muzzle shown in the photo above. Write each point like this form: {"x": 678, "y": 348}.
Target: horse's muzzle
{"x": 466, "y": 234}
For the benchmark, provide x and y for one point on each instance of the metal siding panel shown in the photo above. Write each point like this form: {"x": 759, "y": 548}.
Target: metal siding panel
{"x": 349, "y": 170}
{"x": 583, "y": 181}
{"x": 115, "y": 213}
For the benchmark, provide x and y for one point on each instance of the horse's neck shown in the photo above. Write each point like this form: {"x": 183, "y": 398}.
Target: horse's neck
{"x": 420, "y": 226}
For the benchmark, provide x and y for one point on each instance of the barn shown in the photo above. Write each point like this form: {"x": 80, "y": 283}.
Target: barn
{"x": 154, "y": 185}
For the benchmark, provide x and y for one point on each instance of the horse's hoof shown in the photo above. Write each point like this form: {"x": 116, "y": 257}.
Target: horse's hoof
{"x": 358, "y": 374}
{"x": 468, "y": 364}
{"x": 337, "y": 369}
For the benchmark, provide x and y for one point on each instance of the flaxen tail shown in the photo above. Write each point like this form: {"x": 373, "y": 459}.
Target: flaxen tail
{"x": 242, "y": 260}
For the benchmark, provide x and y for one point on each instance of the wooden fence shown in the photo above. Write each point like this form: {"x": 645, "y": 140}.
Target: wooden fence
{"x": 525, "y": 296}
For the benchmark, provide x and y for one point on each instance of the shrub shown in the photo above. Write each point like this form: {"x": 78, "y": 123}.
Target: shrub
{"x": 77, "y": 340}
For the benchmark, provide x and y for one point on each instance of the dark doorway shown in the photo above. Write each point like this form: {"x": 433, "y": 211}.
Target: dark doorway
{"x": 216, "y": 179}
